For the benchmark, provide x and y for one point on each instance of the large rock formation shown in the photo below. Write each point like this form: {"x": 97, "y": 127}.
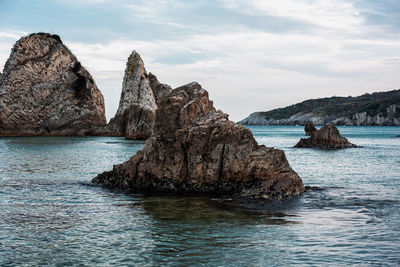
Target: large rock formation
{"x": 141, "y": 92}
{"x": 44, "y": 90}
{"x": 328, "y": 137}
{"x": 196, "y": 149}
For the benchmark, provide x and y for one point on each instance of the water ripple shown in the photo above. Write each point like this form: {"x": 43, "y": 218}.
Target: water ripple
{"x": 51, "y": 214}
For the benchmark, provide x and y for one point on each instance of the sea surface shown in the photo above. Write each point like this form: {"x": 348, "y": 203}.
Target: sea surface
{"x": 51, "y": 214}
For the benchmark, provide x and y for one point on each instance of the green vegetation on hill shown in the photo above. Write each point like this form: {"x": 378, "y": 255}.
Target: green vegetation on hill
{"x": 373, "y": 104}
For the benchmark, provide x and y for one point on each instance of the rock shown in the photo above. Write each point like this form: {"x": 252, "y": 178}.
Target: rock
{"x": 328, "y": 137}
{"x": 310, "y": 128}
{"x": 196, "y": 149}
{"x": 398, "y": 135}
{"x": 160, "y": 91}
{"x": 44, "y": 90}
{"x": 140, "y": 94}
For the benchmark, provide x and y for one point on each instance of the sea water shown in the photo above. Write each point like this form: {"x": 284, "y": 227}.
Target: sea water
{"x": 51, "y": 214}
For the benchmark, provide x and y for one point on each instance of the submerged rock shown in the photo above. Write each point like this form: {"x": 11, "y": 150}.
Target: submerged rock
{"x": 310, "y": 128}
{"x": 197, "y": 149}
{"x": 328, "y": 137}
{"x": 44, "y": 90}
{"x": 139, "y": 98}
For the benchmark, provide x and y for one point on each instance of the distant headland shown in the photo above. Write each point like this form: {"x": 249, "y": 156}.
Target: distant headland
{"x": 379, "y": 109}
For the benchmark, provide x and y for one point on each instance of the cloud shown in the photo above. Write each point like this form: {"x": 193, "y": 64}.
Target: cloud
{"x": 251, "y": 55}
{"x": 332, "y": 14}
{"x": 253, "y": 66}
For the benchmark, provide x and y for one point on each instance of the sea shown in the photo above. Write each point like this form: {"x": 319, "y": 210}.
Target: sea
{"x": 51, "y": 214}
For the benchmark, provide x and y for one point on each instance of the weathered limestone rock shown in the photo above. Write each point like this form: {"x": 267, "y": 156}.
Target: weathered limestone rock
{"x": 140, "y": 94}
{"x": 328, "y": 137}
{"x": 196, "y": 149}
{"x": 310, "y": 128}
{"x": 44, "y": 90}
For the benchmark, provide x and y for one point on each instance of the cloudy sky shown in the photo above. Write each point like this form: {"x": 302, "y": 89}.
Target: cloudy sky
{"x": 251, "y": 55}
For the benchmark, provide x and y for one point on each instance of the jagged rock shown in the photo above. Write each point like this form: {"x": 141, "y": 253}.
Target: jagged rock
{"x": 196, "y": 149}
{"x": 44, "y": 90}
{"x": 160, "y": 90}
{"x": 328, "y": 137}
{"x": 309, "y": 128}
{"x": 140, "y": 95}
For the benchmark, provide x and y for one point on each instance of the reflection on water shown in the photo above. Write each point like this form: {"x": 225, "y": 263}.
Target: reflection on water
{"x": 52, "y": 215}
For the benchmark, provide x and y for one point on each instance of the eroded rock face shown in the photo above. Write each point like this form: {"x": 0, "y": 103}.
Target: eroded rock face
{"x": 44, "y": 90}
{"x": 196, "y": 149}
{"x": 160, "y": 90}
{"x": 328, "y": 137}
{"x": 310, "y": 128}
{"x": 140, "y": 94}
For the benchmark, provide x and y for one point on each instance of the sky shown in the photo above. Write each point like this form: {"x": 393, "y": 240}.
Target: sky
{"x": 251, "y": 55}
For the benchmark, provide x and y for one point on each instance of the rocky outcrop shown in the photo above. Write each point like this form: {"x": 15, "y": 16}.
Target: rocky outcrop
{"x": 197, "y": 149}
{"x": 44, "y": 90}
{"x": 310, "y": 128}
{"x": 328, "y": 137}
{"x": 379, "y": 109}
{"x": 141, "y": 92}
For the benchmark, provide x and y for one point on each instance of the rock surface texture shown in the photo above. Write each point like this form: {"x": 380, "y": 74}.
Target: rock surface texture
{"x": 196, "y": 149}
{"x": 328, "y": 137}
{"x": 310, "y": 128}
{"x": 141, "y": 92}
{"x": 44, "y": 90}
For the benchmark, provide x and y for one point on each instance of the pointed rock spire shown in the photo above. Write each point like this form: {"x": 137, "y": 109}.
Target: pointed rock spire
{"x": 135, "y": 115}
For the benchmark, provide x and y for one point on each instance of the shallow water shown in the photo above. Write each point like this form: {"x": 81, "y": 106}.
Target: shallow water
{"x": 50, "y": 213}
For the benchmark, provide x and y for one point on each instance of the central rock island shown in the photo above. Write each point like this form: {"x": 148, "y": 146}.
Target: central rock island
{"x": 195, "y": 148}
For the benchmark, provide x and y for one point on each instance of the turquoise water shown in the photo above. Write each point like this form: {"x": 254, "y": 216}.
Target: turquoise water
{"x": 50, "y": 213}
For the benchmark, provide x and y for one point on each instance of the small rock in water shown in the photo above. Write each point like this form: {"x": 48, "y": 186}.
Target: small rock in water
{"x": 197, "y": 149}
{"x": 328, "y": 137}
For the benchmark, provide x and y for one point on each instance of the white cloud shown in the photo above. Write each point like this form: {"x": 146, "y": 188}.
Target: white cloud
{"x": 334, "y": 14}
{"x": 247, "y": 70}
{"x": 243, "y": 70}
